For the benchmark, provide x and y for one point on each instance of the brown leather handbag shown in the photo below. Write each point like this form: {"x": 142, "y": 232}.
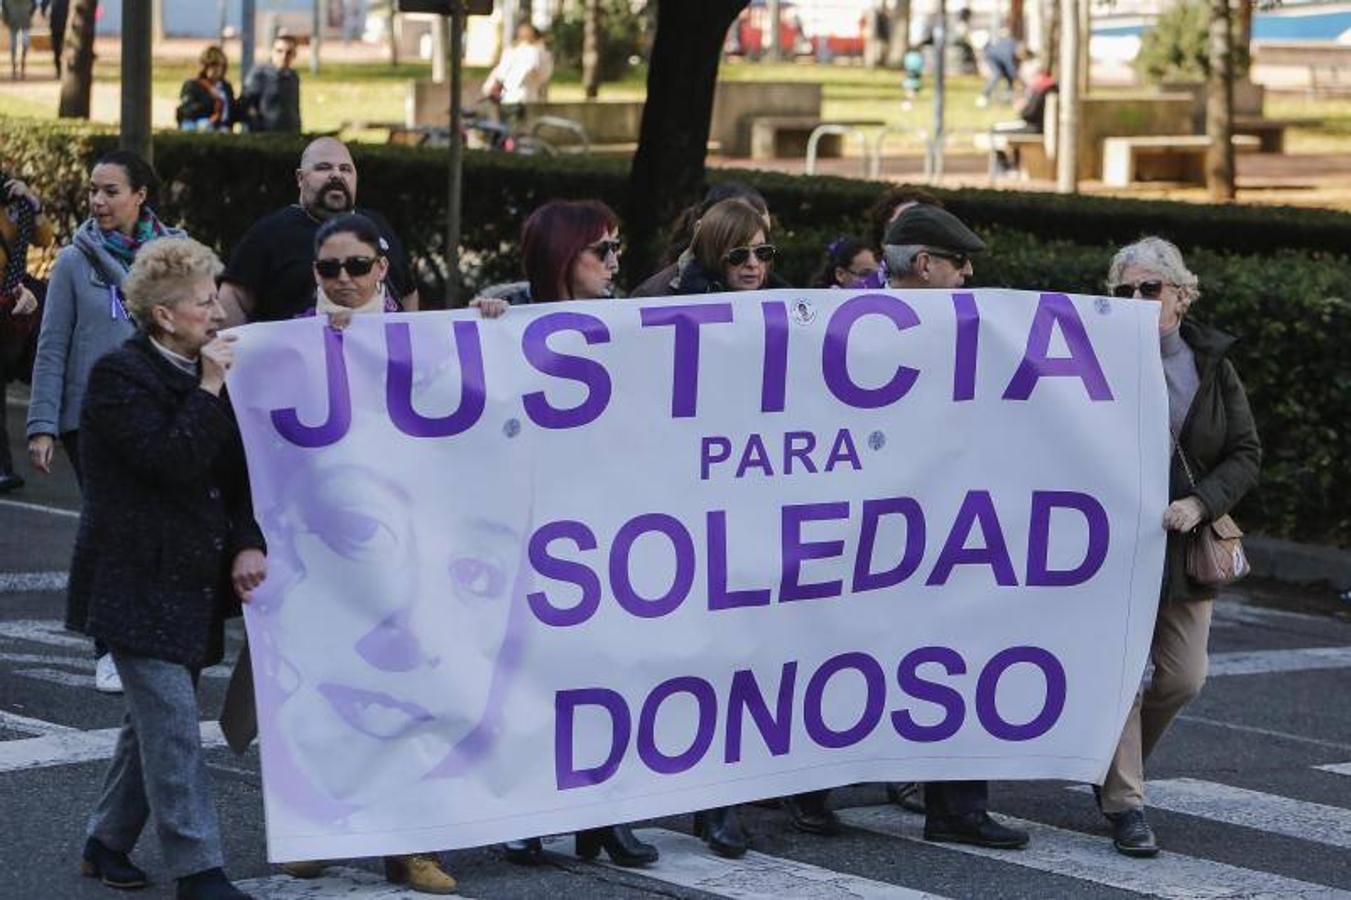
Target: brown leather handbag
{"x": 1214, "y": 550}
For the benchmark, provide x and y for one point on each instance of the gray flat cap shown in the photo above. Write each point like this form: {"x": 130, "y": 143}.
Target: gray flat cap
{"x": 929, "y": 226}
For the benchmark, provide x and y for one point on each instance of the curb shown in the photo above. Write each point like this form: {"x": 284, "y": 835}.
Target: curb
{"x": 1295, "y": 563}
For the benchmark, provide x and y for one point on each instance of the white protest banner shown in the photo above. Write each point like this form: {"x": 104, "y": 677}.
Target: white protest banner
{"x": 595, "y": 562}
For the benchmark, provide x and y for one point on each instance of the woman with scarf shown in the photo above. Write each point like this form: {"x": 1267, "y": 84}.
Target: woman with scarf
{"x": 86, "y": 315}
{"x": 207, "y": 102}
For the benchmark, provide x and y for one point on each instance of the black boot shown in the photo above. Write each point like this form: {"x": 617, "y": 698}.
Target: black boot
{"x": 210, "y": 884}
{"x": 527, "y": 852}
{"x": 721, "y": 830}
{"x": 811, "y": 813}
{"x": 977, "y": 828}
{"x": 111, "y": 867}
{"x": 1131, "y": 834}
{"x": 619, "y": 842}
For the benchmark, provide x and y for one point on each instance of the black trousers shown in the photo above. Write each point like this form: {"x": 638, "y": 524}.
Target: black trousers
{"x": 943, "y": 799}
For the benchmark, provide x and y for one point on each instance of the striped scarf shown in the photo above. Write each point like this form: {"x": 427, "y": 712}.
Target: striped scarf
{"x": 122, "y": 247}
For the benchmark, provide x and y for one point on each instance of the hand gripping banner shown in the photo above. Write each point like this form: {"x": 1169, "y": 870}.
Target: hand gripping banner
{"x": 600, "y": 561}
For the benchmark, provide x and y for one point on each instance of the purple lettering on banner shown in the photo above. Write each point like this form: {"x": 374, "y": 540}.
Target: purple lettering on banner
{"x": 685, "y": 372}
{"x": 873, "y": 511}
{"x": 287, "y": 421}
{"x": 535, "y": 345}
{"x": 954, "y": 708}
{"x": 797, "y": 551}
{"x": 792, "y": 451}
{"x": 745, "y": 697}
{"x": 774, "y": 376}
{"x": 703, "y": 693}
{"x": 968, "y": 339}
{"x": 988, "y": 685}
{"x": 843, "y": 450}
{"x": 622, "y": 584}
{"x": 718, "y": 595}
{"x": 566, "y": 775}
{"x": 835, "y": 352}
{"x": 399, "y": 383}
{"x": 977, "y": 507}
{"x": 812, "y": 716}
{"x": 754, "y": 456}
{"x": 1039, "y": 573}
{"x": 713, "y": 449}
{"x": 576, "y": 573}
{"x": 1082, "y": 363}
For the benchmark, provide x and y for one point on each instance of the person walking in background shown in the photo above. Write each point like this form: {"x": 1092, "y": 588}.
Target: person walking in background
{"x": 1003, "y": 56}
{"x": 271, "y": 98}
{"x": 22, "y": 224}
{"x": 18, "y": 16}
{"x": 928, "y": 247}
{"x": 57, "y": 13}
{"x": 207, "y": 102}
{"x": 167, "y": 549}
{"x": 269, "y": 276}
{"x": 522, "y": 75}
{"x": 86, "y": 316}
{"x": 1216, "y": 455}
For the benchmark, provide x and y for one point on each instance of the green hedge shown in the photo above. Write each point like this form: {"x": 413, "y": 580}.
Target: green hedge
{"x": 1278, "y": 277}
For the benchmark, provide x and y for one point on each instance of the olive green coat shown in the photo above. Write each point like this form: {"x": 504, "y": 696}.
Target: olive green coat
{"x": 1220, "y": 441}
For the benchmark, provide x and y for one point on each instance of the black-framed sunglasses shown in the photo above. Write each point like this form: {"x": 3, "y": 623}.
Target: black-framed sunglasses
{"x": 739, "y": 256}
{"x": 958, "y": 260}
{"x": 356, "y": 266}
{"x": 604, "y": 248}
{"x": 1150, "y": 290}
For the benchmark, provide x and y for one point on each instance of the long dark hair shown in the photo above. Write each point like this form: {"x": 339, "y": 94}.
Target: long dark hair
{"x": 553, "y": 237}
{"x": 839, "y": 255}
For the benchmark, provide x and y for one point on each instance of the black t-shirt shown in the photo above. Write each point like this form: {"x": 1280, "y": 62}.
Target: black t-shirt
{"x": 275, "y": 261}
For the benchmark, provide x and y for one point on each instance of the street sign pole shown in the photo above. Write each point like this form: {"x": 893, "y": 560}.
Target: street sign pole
{"x": 453, "y": 196}
{"x": 137, "y": 41}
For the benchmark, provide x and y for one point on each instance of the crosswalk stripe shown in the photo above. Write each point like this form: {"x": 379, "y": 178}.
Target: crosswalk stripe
{"x": 1336, "y": 768}
{"x": 37, "y": 507}
{"x": 57, "y": 676}
{"x": 23, "y": 582}
{"x": 687, "y": 862}
{"x": 66, "y": 747}
{"x": 1091, "y": 858}
{"x": 44, "y": 631}
{"x": 337, "y": 881}
{"x": 1269, "y": 813}
{"x": 1264, "y": 662}
{"x": 16, "y": 722}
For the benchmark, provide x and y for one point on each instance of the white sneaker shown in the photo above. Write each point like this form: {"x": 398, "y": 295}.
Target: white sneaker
{"x": 106, "y": 679}
{"x": 982, "y": 101}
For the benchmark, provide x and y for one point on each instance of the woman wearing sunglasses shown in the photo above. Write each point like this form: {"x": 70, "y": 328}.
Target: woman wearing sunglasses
{"x": 731, "y": 251}
{"x": 349, "y": 275}
{"x": 1215, "y": 459}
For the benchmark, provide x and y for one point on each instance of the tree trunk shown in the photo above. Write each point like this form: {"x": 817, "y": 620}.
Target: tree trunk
{"x": 1050, "y": 36}
{"x": 1220, "y": 104}
{"x": 158, "y": 32}
{"x": 77, "y": 63}
{"x": 591, "y": 38}
{"x": 1017, "y": 20}
{"x": 900, "y": 32}
{"x": 392, "y": 26}
{"x": 773, "y": 18}
{"x": 1243, "y": 50}
{"x": 668, "y": 169}
{"x": 1071, "y": 48}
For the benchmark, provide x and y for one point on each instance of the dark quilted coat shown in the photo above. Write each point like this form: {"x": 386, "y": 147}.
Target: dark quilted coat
{"x": 166, "y": 508}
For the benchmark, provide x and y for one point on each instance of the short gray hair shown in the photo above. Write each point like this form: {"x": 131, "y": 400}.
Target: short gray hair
{"x": 901, "y": 258}
{"x": 1161, "y": 256}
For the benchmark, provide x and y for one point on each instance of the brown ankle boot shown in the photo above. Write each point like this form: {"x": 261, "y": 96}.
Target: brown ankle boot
{"x": 422, "y": 872}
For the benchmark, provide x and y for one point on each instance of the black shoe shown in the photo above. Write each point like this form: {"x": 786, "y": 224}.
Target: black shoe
{"x": 974, "y": 828}
{"x": 111, "y": 867}
{"x": 906, "y": 794}
{"x": 527, "y": 852}
{"x": 811, "y": 814}
{"x": 1131, "y": 834}
{"x": 721, "y": 830}
{"x": 619, "y": 842}
{"x": 210, "y": 884}
{"x": 10, "y": 482}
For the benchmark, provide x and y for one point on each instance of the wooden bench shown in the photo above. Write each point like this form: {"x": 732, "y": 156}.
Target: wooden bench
{"x": 1170, "y": 157}
{"x": 1270, "y": 133}
{"x": 785, "y": 137}
{"x": 1026, "y": 150}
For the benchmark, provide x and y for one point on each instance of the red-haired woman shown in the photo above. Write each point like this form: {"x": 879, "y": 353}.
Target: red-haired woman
{"x": 570, "y": 251}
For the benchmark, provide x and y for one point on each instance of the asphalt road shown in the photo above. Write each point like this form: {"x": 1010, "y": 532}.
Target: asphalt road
{"x": 1250, "y": 792}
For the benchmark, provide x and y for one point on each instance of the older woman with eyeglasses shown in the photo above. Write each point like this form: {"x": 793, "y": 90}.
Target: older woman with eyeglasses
{"x": 1215, "y": 459}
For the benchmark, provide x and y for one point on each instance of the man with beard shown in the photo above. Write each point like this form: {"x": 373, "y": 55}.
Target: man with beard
{"x": 270, "y": 274}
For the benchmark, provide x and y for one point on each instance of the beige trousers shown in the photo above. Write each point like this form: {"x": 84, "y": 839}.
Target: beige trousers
{"x": 1179, "y": 654}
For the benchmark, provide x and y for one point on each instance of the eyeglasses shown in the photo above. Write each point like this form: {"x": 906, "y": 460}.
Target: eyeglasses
{"x": 739, "y": 256}
{"x": 959, "y": 260}
{"x": 603, "y": 249}
{"x": 1150, "y": 290}
{"x": 356, "y": 266}
{"x": 863, "y": 273}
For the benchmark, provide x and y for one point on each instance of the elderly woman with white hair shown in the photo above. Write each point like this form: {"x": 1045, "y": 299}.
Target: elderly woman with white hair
{"x": 1215, "y": 458}
{"x": 167, "y": 547}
